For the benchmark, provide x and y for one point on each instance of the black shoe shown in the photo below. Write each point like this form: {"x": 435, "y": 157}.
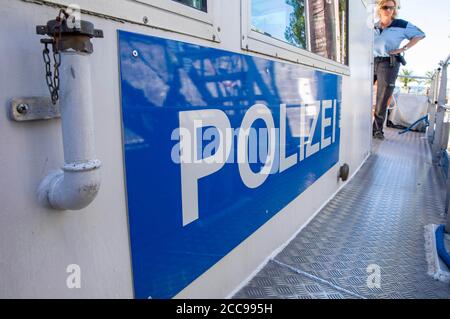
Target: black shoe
{"x": 378, "y": 135}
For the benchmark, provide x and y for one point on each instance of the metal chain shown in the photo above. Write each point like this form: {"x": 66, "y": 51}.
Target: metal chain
{"x": 52, "y": 78}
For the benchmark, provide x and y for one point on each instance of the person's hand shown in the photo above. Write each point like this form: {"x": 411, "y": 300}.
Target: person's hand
{"x": 398, "y": 51}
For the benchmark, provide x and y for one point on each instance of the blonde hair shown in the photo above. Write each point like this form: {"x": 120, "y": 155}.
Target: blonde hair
{"x": 381, "y": 3}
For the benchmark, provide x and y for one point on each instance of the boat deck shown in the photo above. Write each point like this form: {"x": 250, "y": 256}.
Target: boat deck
{"x": 378, "y": 219}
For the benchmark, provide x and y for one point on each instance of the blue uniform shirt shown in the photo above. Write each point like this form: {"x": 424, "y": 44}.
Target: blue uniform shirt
{"x": 390, "y": 38}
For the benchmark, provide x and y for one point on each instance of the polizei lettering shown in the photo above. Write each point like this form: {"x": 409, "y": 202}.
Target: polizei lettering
{"x": 207, "y": 141}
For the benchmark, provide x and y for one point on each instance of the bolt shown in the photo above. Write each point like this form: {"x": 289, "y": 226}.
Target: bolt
{"x": 22, "y": 108}
{"x": 135, "y": 53}
{"x": 145, "y": 19}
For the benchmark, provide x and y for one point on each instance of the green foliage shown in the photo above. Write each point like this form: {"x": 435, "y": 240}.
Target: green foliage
{"x": 405, "y": 80}
{"x": 295, "y": 33}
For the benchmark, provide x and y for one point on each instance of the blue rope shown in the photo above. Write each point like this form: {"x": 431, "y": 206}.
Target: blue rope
{"x": 422, "y": 119}
{"x": 440, "y": 245}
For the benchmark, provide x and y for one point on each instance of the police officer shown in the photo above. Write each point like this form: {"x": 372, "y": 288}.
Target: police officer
{"x": 389, "y": 33}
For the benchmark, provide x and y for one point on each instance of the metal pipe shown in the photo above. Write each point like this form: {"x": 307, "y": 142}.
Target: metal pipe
{"x": 443, "y": 87}
{"x": 432, "y": 106}
{"x": 76, "y": 185}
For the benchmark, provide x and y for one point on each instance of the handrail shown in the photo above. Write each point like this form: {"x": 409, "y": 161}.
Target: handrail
{"x": 440, "y": 136}
{"x": 439, "y": 130}
{"x": 417, "y": 77}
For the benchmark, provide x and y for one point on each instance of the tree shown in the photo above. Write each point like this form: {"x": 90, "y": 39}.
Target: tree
{"x": 405, "y": 78}
{"x": 295, "y": 32}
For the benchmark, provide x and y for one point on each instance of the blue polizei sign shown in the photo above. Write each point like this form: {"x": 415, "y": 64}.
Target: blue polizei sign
{"x": 216, "y": 144}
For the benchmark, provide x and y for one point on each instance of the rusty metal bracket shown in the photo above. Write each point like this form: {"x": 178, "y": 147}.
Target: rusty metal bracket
{"x": 54, "y": 27}
{"x": 33, "y": 109}
{"x": 66, "y": 38}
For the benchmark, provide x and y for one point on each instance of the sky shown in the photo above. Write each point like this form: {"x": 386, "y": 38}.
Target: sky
{"x": 433, "y": 18}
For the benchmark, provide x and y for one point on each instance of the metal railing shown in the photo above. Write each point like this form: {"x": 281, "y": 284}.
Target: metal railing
{"x": 439, "y": 130}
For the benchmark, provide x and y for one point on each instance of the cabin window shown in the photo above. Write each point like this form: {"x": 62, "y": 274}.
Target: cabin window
{"x": 197, "y": 18}
{"x": 317, "y": 26}
{"x": 197, "y": 4}
{"x": 284, "y": 20}
{"x": 328, "y": 29}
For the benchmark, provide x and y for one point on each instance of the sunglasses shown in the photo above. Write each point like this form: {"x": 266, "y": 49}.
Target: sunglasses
{"x": 388, "y": 7}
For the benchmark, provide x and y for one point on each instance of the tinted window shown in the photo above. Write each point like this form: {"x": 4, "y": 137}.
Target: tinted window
{"x": 328, "y": 29}
{"x": 320, "y": 26}
{"x": 281, "y": 19}
{"x": 197, "y": 4}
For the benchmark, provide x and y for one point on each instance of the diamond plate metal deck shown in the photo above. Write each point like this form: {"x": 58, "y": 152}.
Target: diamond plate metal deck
{"x": 378, "y": 218}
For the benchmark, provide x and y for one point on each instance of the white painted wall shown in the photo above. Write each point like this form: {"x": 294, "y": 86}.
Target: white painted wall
{"x": 36, "y": 244}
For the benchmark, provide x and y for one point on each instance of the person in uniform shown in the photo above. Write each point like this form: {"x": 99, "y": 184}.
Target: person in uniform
{"x": 389, "y": 34}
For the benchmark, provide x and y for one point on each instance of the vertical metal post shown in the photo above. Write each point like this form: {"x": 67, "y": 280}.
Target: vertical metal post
{"x": 445, "y": 130}
{"x": 440, "y": 116}
{"x": 442, "y": 99}
{"x": 437, "y": 141}
{"x": 432, "y": 98}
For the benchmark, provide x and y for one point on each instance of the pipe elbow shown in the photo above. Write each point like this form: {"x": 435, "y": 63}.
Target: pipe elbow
{"x": 73, "y": 187}
{"x": 76, "y": 185}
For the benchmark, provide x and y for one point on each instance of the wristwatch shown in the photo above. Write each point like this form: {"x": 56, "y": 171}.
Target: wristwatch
{"x": 405, "y": 48}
